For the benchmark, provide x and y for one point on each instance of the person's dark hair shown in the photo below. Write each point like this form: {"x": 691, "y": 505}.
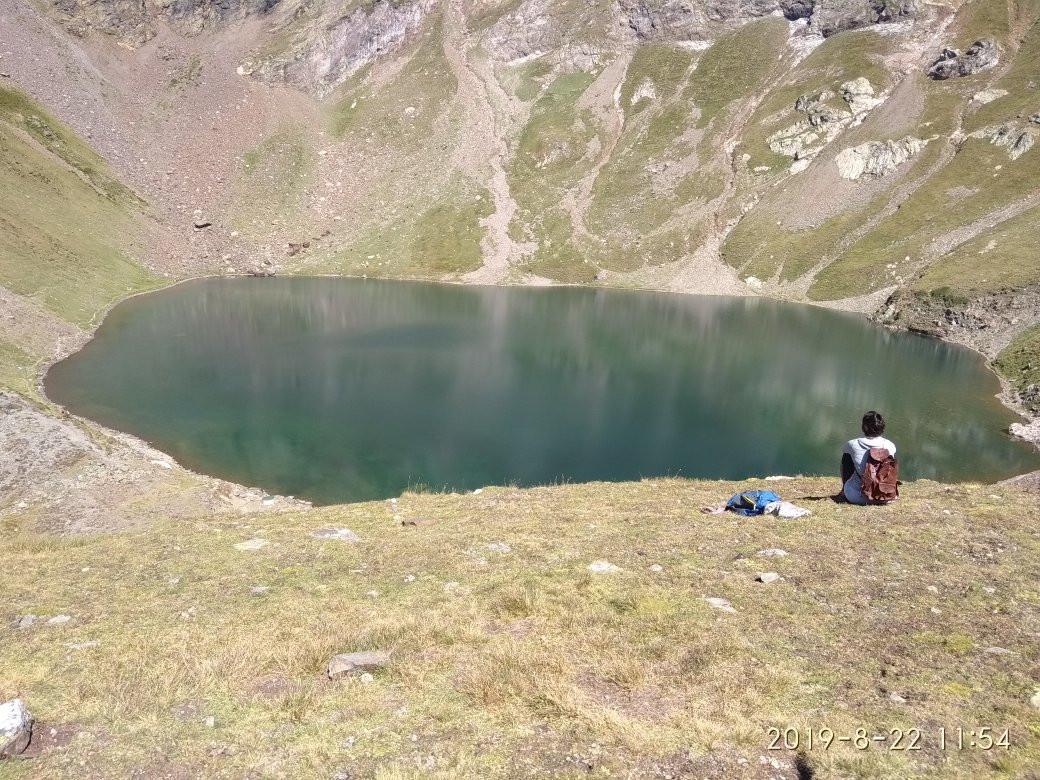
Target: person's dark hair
{"x": 873, "y": 424}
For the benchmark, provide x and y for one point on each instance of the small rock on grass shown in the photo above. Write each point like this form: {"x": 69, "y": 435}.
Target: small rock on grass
{"x": 603, "y": 567}
{"x": 59, "y": 620}
{"x": 500, "y": 547}
{"x": 90, "y": 644}
{"x": 768, "y": 577}
{"x": 15, "y": 728}
{"x": 895, "y": 697}
{"x": 1000, "y": 651}
{"x": 772, "y": 552}
{"x": 656, "y": 568}
{"x": 25, "y": 621}
{"x": 721, "y": 604}
{"x": 342, "y": 534}
{"x": 251, "y": 544}
{"x": 347, "y": 663}
{"x": 1035, "y": 701}
{"x": 259, "y": 590}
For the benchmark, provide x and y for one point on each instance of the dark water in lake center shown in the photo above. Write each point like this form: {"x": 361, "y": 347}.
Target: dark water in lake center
{"x": 349, "y": 389}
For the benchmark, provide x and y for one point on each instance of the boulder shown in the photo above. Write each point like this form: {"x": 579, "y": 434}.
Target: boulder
{"x": 821, "y": 114}
{"x": 1015, "y": 140}
{"x": 15, "y": 728}
{"x": 348, "y": 663}
{"x": 797, "y": 9}
{"x": 859, "y": 94}
{"x": 877, "y": 158}
{"x": 25, "y": 621}
{"x": 1022, "y": 144}
{"x": 950, "y": 63}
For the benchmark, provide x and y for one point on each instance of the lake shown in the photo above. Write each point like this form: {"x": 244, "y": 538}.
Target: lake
{"x": 350, "y": 389}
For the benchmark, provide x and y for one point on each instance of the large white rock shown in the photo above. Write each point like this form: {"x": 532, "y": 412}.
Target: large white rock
{"x": 876, "y": 158}
{"x": 859, "y": 94}
{"x": 15, "y": 728}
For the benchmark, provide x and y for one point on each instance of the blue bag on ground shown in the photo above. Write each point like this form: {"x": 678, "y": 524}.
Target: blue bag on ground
{"x": 751, "y": 502}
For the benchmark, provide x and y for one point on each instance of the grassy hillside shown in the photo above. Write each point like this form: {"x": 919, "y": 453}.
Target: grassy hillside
{"x": 512, "y": 659}
{"x": 909, "y": 227}
{"x": 64, "y": 225}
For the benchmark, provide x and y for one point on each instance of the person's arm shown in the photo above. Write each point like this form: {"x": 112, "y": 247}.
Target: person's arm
{"x": 848, "y": 468}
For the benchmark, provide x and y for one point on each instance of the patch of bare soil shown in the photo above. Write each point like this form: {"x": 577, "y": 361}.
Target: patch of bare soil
{"x": 50, "y": 736}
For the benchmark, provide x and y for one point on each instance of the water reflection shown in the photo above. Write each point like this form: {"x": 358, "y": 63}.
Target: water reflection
{"x": 351, "y": 389}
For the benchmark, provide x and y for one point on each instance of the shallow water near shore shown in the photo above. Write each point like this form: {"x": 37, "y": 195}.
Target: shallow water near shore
{"x": 349, "y": 389}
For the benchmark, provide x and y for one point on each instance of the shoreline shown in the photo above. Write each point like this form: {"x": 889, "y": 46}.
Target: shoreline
{"x": 1006, "y": 396}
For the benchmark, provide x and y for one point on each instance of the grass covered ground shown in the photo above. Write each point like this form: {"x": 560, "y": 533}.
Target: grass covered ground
{"x": 512, "y": 659}
{"x": 1019, "y": 362}
{"x": 64, "y": 219}
{"x": 65, "y": 226}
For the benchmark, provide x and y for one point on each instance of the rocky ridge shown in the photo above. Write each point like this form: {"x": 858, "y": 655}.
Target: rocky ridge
{"x": 323, "y": 49}
{"x": 134, "y": 22}
{"x": 676, "y": 20}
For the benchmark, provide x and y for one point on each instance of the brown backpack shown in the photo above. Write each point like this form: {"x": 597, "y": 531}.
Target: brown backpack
{"x": 880, "y": 480}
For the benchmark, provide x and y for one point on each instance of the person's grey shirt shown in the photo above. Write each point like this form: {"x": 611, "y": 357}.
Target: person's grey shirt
{"x": 857, "y": 449}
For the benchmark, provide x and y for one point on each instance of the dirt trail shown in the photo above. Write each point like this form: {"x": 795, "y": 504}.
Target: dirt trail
{"x": 483, "y": 146}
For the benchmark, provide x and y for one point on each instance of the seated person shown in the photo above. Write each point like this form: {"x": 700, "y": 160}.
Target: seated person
{"x": 854, "y": 456}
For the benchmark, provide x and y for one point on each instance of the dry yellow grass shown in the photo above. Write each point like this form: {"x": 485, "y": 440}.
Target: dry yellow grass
{"x": 524, "y": 663}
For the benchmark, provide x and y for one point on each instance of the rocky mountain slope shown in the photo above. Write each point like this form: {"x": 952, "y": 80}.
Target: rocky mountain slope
{"x": 878, "y": 156}
{"x": 819, "y": 150}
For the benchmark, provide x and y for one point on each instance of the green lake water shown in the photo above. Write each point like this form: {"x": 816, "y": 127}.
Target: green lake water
{"x": 348, "y": 389}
